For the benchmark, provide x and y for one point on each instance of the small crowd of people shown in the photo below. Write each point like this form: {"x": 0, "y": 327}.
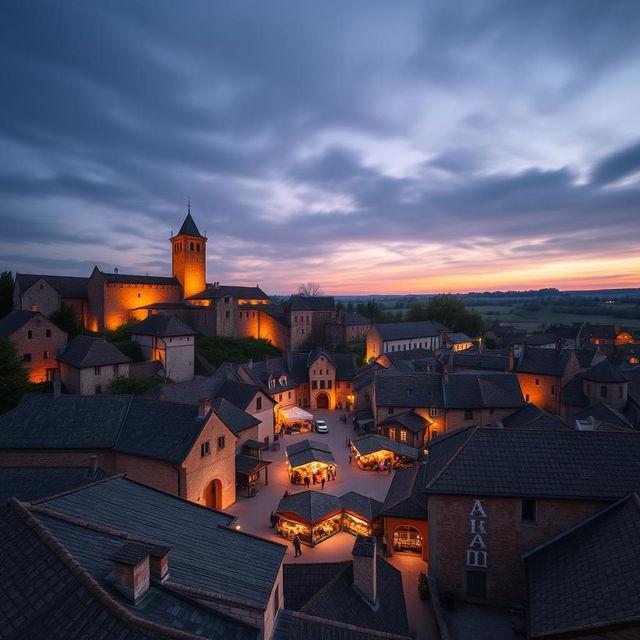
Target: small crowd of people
{"x": 319, "y": 477}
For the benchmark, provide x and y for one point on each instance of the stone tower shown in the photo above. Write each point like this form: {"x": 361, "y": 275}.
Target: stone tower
{"x": 188, "y": 257}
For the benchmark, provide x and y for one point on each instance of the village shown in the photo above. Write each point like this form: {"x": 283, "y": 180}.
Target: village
{"x": 438, "y": 489}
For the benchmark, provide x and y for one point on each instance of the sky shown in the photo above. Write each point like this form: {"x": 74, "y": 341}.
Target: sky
{"x": 369, "y": 146}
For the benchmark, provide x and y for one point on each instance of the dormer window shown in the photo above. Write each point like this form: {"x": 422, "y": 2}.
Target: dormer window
{"x": 283, "y": 380}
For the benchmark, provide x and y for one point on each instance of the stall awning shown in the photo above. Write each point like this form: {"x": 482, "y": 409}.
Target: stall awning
{"x": 302, "y": 453}
{"x": 372, "y": 443}
{"x": 310, "y": 506}
{"x": 295, "y": 413}
{"x": 248, "y": 465}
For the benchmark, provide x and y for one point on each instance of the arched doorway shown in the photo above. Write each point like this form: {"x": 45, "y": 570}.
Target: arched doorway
{"x": 322, "y": 401}
{"x": 213, "y": 495}
{"x": 407, "y": 540}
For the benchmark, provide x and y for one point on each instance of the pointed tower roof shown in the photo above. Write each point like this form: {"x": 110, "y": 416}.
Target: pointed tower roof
{"x": 189, "y": 228}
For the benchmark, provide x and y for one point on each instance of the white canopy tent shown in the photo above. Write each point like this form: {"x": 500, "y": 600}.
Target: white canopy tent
{"x": 293, "y": 414}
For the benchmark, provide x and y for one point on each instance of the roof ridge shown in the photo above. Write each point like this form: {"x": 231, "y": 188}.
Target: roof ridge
{"x": 81, "y": 575}
{"x": 122, "y": 423}
{"x": 473, "y": 431}
{"x": 329, "y": 584}
{"x": 350, "y": 627}
{"x": 84, "y": 486}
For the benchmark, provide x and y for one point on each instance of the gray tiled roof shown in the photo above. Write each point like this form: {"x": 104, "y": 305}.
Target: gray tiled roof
{"x": 84, "y": 351}
{"x": 338, "y": 601}
{"x": 540, "y": 464}
{"x": 234, "y": 291}
{"x": 309, "y": 303}
{"x": 604, "y": 372}
{"x": 486, "y": 359}
{"x": 205, "y": 553}
{"x": 478, "y": 390}
{"x": 32, "y": 483}
{"x": 134, "y": 425}
{"x": 309, "y": 451}
{"x": 572, "y": 393}
{"x": 159, "y": 324}
{"x": 67, "y": 286}
{"x": 349, "y": 318}
{"x": 124, "y": 278}
{"x": 551, "y": 362}
{"x": 300, "y": 582}
{"x": 586, "y": 579}
{"x": 310, "y": 506}
{"x": 606, "y": 417}
{"x": 395, "y": 389}
{"x": 532, "y": 417}
{"x": 15, "y": 320}
{"x": 406, "y": 330}
{"x": 457, "y": 338}
{"x": 405, "y": 498}
{"x": 363, "y": 506}
{"x": 370, "y": 443}
{"x": 247, "y": 465}
{"x": 235, "y": 418}
{"x": 589, "y": 357}
{"x": 409, "y": 419}
{"x": 189, "y": 228}
{"x": 303, "y": 445}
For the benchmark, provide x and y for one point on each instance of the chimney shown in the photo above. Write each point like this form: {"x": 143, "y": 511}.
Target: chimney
{"x": 131, "y": 570}
{"x": 57, "y": 385}
{"x": 93, "y": 466}
{"x": 204, "y": 406}
{"x": 365, "y": 579}
{"x": 115, "y": 270}
{"x": 159, "y": 561}
{"x": 35, "y": 307}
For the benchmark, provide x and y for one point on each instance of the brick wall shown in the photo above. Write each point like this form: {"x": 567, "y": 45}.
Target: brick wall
{"x": 322, "y": 373}
{"x": 455, "y": 418}
{"x": 254, "y": 323}
{"x": 504, "y": 535}
{"x": 41, "y": 294}
{"x": 545, "y": 394}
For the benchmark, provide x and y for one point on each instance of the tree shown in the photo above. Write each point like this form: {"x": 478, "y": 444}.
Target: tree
{"x": 310, "y": 289}
{"x": 6, "y": 293}
{"x": 446, "y": 309}
{"x": 14, "y": 378}
{"x": 66, "y": 319}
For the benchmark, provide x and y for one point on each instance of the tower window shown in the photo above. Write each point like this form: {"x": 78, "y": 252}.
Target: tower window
{"x": 198, "y": 246}
{"x": 191, "y": 246}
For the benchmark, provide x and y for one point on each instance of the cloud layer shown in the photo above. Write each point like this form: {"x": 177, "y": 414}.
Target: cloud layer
{"x": 369, "y": 146}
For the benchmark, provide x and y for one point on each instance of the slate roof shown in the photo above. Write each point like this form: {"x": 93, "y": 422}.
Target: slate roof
{"x": 408, "y": 419}
{"x": 261, "y": 372}
{"x": 572, "y": 394}
{"x": 345, "y": 363}
{"x": 66, "y": 286}
{"x": 32, "y": 483}
{"x": 247, "y": 465}
{"x": 532, "y": 417}
{"x": 364, "y": 506}
{"x": 406, "y": 330}
{"x": 604, "y": 372}
{"x": 457, "y": 338}
{"x": 349, "y": 318}
{"x": 139, "y": 426}
{"x": 550, "y": 362}
{"x": 411, "y": 360}
{"x": 159, "y": 324}
{"x": 472, "y": 359}
{"x": 586, "y": 578}
{"x": 393, "y": 389}
{"x": 537, "y": 339}
{"x": 189, "y": 228}
{"x": 310, "y": 506}
{"x": 309, "y": 303}
{"x": 405, "y": 498}
{"x": 371, "y": 442}
{"x": 235, "y": 418}
{"x": 594, "y": 465}
{"x": 606, "y": 417}
{"x": 477, "y": 390}
{"x": 299, "y": 586}
{"x": 589, "y": 357}
{"x": 206, "y": 553}
{"x": 84, "y": 351}
{"x": 234, "y": 291}
{"x": 309, "y": 451}
{"x": 15, "y": 320}
{"x": 123, "y": 278}
{"x": 337, "y": 600}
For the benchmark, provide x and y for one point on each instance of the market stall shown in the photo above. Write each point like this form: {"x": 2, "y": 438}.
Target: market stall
{"x": 248, "y": 472}
{"x": 310, "y": 459}
{"x": 295, "y": 420}
{"x": 360, "y": 514}
{"x": 312, "y": 515}
{"x": 375, "y": 453}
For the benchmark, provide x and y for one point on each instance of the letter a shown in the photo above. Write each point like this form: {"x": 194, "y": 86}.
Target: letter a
{"x": 477, "y": 540}
{"x": 477, "y": 509}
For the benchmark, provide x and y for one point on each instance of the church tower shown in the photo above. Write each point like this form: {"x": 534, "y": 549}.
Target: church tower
{"x": 188, "y": 257}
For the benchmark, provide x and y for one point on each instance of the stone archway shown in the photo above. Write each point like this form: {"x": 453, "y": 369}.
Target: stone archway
{"x": 213, "y": 495}
{"x": 322, "y": 401}
{"x": 407, "y": 540}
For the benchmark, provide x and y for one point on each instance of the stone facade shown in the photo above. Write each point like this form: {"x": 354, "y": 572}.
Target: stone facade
{"x": 90, "y": 381}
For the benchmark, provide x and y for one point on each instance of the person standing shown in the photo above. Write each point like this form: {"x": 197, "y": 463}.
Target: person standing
{"x": 307, "y": 482}
{"x": 296, "y": 545}
{"x": 350, "y": 456}
{"x": 322, "y": 483}
{"x": 273, "y": 519}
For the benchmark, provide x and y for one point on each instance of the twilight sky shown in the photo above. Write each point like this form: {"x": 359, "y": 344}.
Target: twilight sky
{"x": 370, "y": 146}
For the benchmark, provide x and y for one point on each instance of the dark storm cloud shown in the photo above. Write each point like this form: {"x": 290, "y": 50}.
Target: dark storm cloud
{"x": 290, "y": 124}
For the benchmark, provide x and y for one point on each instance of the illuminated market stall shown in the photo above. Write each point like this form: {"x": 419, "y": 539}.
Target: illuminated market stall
{"x": 374, "y": 452}
{"x": 316, "y": 516}
{"x": 295, "y": 420}
{"x": 310, "y": 459}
